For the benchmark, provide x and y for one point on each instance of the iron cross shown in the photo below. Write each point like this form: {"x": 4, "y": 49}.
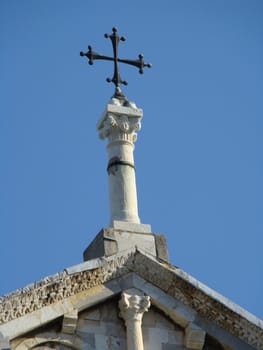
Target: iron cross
{"x": 116, "y": 79}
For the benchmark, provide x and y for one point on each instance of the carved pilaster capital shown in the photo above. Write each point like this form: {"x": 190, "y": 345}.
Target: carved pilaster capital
{"x": 133, "y": 305}
{"x": 70, "y": 321}
{"x": 194, "y": 337}
{"x": 120, "y": 122}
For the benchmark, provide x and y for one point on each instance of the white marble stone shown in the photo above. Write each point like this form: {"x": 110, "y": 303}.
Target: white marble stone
{"x": 133, "y": 305}
{"x": 119, "y": 124}
{"x": 131, "y": 226}
{"x": 194, "y": 337}
{"x": 127, "y": 240}
{"x": 70, "y": 322}
{"x": 157, "y": 337}
{"x": 185, "y": 301}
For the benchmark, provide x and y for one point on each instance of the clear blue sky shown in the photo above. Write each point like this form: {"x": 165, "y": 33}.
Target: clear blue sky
{"x": 198, "y": 156}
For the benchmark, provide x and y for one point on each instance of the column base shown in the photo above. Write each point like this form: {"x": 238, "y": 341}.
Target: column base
{"x": 132, "y": 227}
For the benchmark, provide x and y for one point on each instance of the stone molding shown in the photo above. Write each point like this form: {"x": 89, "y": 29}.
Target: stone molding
{"x": 51, "y": 338}
{"x": 169, "y": 279}
{"x": 58, "y": 287}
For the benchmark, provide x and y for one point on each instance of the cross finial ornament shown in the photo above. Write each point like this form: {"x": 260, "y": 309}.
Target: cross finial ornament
{"x": 116, "y": 79}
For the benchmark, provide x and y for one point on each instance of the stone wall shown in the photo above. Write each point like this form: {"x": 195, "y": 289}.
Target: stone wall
{"x": 102, "y": 328}
{"x": 187, "y": 302}
{"x": 159, "y": 333}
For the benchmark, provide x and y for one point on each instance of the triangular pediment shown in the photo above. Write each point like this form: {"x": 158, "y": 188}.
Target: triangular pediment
{"x": 182, "y": 299}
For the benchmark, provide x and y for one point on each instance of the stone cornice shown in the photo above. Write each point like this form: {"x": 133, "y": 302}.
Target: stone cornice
{"x": 53, "y": 289}
{"x": 205, "y": 301}
{"x": 171, "y": 280}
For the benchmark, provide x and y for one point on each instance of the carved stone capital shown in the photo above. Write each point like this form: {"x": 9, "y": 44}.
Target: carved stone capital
{"x": 133, "y": 305}
{"x": 120, "y": 122}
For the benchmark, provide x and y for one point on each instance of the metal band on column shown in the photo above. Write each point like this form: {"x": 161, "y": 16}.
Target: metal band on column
{"x": 119, "y": 162}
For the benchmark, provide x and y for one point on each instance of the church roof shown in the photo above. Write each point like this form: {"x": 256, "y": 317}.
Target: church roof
{"x": 176, "y": 293}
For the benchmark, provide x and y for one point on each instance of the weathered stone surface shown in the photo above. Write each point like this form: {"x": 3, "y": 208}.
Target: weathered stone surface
{"x": 161, "y": 247}
{"x": 159, "y": 332}
{"x": 70, "y": 322}
{"x": 108, "y": 329}
{"x": 194, "y": 337}
{"x": 131, "y": 227}
{"x": 133, "y": 304}
{"x": 171, "y": 347}
{"x": 119, "y": 124}
{"x": 104, "y": 244}
{"x": 177, "y": 294}
{"x": 110, "y": 241}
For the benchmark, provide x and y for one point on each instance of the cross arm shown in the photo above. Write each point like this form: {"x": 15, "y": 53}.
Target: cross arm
{"x": 92, "y": 55}
{"x": 137, "y": 63}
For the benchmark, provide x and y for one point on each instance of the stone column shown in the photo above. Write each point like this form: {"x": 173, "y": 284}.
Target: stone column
{"x": 132, "y": 305}
{"x": 119, "y": 123}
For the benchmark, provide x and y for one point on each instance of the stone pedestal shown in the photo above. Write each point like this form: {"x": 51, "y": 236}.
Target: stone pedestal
{"x": 110, "y": 241}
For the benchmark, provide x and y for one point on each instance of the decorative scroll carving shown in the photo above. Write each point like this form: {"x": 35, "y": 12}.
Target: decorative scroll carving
{"x": 166, "y": 278}
{"x": 120, "y": 121}
{"x": 119, "y": 127}
{"x": 55, "y": 288}
{"x": 62, "y": 285}
{"x": 133, "y": 306}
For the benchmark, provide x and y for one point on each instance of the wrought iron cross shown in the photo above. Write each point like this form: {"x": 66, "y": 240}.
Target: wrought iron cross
{"x": 116, "y": 79}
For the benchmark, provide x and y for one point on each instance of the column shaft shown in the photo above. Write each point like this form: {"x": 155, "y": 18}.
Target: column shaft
{"x": 122, "y": 182}
{"x": 119, "y": 124}
{"x": 133, "y": 305}
{"x": 134, "y": 335}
